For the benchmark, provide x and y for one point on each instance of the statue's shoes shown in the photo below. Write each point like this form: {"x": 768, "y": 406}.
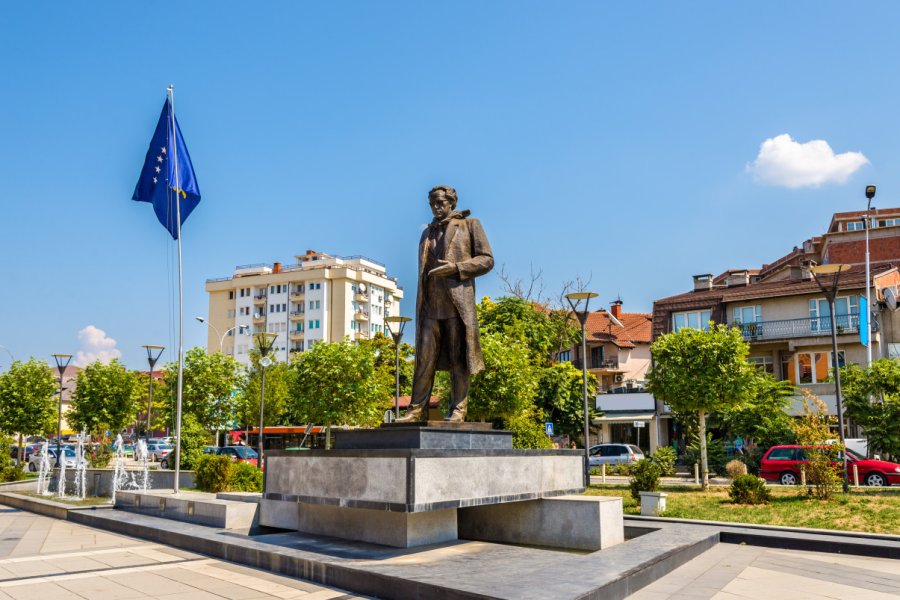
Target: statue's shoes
{"x": 457, "y": 416}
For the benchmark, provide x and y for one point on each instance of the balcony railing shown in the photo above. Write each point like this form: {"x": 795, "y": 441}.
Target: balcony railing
{"x": 606, "y": 363}
{"x": 793, "y": 328}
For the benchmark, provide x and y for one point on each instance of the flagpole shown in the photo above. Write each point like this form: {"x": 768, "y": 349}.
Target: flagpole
{"x": 174, "y": 133}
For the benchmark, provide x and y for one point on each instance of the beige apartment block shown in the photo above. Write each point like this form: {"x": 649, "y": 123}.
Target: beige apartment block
{"x": 319, "y": 298}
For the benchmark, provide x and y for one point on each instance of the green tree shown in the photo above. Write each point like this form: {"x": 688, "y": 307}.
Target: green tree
{"x": 162, "y": 401}
{"x": 383, "y": 350}
{"x": 27, "y": 399}
{"x": 561, "y": 397}
{"x": 762, "y": 418}
{"x": 528, "y": 430}
{"x": 335, "y": 384}
{"x": 508, "y": 384}
{"x": 522, "y": 321}
{"x": 106, "y": 397}
{"x": 872, "y": 400}
{"x": 278, "y": 391}
{"x": 208, "y": 384}
{"x": 699, "y": 371}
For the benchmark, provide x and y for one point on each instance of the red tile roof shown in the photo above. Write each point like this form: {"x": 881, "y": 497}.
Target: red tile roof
{"x": 633, "y": 328}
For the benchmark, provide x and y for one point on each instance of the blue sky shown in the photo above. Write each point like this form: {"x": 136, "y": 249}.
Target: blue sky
{"x": 618, "y": 142}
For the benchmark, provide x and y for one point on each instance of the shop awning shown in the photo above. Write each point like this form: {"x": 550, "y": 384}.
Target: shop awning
{"x": 625, "y": 417}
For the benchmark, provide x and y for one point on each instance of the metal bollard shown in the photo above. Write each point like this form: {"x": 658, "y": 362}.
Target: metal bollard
{"x": 855, "y": 476}
{"x": 696, "y": 473}
{"x": 803, "y": 475}
{"x": 603, "y": 473}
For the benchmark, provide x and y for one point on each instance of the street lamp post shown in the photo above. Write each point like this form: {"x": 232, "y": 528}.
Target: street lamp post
{"x": 62, "y": 362}
{"x": 240, "y": 328}
{"x": 153, "y": 354}
{"x": 575, "y": 299}
{"x": 830, "y": 294}
{"x": 264, "y": 342}
{"x": 399, "y": 323}
{"x": 870, "y": 193}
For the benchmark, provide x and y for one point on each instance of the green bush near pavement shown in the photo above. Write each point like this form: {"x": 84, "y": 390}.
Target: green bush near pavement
{"x": 221, "y": 474}
{"x": 748, "y": 489}
{"x": 644, "y": 477}
{"x": 665, "y": 457}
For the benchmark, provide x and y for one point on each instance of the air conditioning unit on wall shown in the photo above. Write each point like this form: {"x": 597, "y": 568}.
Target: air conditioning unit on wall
{"x": 619, "y": 378}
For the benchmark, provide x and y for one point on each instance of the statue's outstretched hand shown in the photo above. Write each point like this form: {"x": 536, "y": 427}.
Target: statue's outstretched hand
{"x": 446, "y": 269}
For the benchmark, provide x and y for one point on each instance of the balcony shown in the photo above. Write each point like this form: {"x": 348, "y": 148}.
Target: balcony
{"x": 606, "y": 364}
{"x": 797, "y": 328}
{"x": 259, "y": 317}
{"x": 296, "y": 334}
{"x": 295, "y": 295}
{"x": 259, "y": 299}
{"x": 361, "y": 316}
{"x": 361, "y": 335}
{"x": 296, "y": 315}
{"x": 361, "y": 297}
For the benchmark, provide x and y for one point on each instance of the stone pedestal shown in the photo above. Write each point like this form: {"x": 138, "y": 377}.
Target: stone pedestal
{"x": 409, "y": 486}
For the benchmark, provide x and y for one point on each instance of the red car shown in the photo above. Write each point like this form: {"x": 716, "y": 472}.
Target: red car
{"x": 782, "y": 464}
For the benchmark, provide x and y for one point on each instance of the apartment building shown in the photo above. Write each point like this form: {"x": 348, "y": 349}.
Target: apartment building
{"x": 782, "y": 311}
{"x": 320, "y": 297}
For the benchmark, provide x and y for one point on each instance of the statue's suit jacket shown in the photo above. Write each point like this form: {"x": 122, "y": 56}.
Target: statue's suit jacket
{"x": 465, "y": 245}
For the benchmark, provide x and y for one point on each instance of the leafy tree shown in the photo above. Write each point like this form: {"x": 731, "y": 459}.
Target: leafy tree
{"x": 872, "y": 399}
{"x": 528, "y": 430}
{"x": 508, "y": 384}
{"x": 208, "y": 381}
{"x": 702, "y": 371}
{"x": 813, "y": 430}
{"x": 335, "y": 384}
{"x": 522, "y": 321}
{"x": 762, "y": 418}
{"x": 162, "y": 402}
{"x": 27, "y": 399}
{"x": 194, "y": 436}
{"x": 561, "y": 397}
{"x": 106, "y": 397}
{"x": 278, "y": 391}
{"x": 383, "y": 350}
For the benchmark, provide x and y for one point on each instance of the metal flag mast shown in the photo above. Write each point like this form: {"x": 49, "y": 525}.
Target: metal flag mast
{"x": 173, "y": 132}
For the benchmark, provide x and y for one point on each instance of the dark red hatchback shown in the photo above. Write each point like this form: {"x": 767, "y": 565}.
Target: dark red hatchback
{"x": 782, "y": 464}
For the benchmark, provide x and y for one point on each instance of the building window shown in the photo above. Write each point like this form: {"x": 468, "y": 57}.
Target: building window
{"x": 805, "y": 368}
{"x": 231, "y": 294}
{"x": 763, "y": 363}
{"x": 747, "y": 314}
{"x": 698, "y": 319}
{"x": 317, "y": 324}
{"x": 565, "y": 356}
{"x": 846, "y": 313}
{"x": 855, "y": 226}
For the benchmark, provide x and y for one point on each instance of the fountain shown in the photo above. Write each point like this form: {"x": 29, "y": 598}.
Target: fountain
{"x": 120, "y": 475}
{"x": 80, "y": 469}
{"x": 43, "y": 485}
{"x": 61, "y": 484}
{"x": 142, "y": 456}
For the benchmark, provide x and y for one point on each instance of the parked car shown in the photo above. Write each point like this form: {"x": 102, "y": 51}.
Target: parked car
{"x": 210, "y": 449}
{"x": 161, "y": 440}
{"x": 28, "y": 449}
{"x": 157, "y": 451}
{"x": 782, "y": 464}
{"x": 68, "y": 454}
{"x": 240, "y": 454}
{"x": 615, "y": 454}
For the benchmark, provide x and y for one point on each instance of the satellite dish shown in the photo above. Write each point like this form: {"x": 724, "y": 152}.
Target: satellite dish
{"x": 362, "y": 288}
{"x": 266, "y": 361}
{"x": 890, "y": 297}
{"x": 256, "y": 315}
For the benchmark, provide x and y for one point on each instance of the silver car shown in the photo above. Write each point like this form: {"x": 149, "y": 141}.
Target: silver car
{"x": 615, "y": 454}
{"x": 34, "y": 463}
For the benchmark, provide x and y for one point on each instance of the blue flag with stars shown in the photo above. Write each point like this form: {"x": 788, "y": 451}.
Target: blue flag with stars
{"x": 157, "y": 183}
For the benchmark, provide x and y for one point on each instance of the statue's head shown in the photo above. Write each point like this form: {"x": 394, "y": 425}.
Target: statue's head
{"x": 442, "y": 199}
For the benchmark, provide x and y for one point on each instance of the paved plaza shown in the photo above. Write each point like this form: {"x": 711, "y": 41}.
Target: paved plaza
{"x": 733, "y": 572}
{"x": 48, "y": 559}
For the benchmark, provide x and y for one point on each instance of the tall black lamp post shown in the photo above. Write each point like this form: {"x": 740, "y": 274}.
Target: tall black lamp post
{"x": 575, "y": 299}
{"x": 264, "y": 341}
{"x": 62, "y": 362}
{"x": 395, "y": 326}
{"x": 830, "y": 294}
{"x": 153, "y": 354}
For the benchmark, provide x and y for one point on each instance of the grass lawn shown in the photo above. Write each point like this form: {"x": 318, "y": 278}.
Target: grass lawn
{"x": 872, "y": 511}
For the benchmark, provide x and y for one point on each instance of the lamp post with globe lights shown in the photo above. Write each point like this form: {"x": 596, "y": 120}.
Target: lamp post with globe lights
{"x": 575, "y": 299}
{"x": 264, "y": 342}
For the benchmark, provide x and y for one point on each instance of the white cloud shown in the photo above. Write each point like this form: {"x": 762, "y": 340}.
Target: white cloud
{"x": 784, "y": 162}
{"x": 95, "y": 345}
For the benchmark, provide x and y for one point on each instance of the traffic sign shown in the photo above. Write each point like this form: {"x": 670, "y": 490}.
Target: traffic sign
{"x": 639, "y": 424}
{"x": 548, "y": 427}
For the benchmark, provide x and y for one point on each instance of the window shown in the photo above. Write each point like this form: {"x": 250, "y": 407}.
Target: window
{"x": 846, "y": 313}
{"x": 565, "y": 356}
{"x": 782, "y": 454}
{"x": 318, "y": 304}
{"x": 809, "y": 367}
{"x": 283, "y": 307}
{"x": 694, "y": 320}
{"x": 855, "y": 226}
{"x": 231, "y": 294}
{"x": 310, "y": 325}
{"x": 272, "y": 289}
{"x": 893, "y": 350}
{"x": 317, "y": 324}
{"x": 763, "y": 363}
{"x": 311, "y": 305}
{"x": 747, "y": 314}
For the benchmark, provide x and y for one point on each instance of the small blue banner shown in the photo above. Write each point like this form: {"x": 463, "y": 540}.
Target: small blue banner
{"x": 863, "y": 321}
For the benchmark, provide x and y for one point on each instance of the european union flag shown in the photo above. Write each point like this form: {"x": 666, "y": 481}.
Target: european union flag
{"x": 157, "y": 183}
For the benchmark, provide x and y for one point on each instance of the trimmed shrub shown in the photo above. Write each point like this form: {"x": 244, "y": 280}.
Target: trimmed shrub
{"x": 11, "y": 473}
{"x": 748, "y": 489}
{"x": 245, "y": 478}
{"x": 213, "y": 473}
{"x": 620, "y": 469}
{"x": 736, "y": 467}
{"x": 644, "y": 477}
{"x": 665, "y": 457}
{"x": 99, "y": 456}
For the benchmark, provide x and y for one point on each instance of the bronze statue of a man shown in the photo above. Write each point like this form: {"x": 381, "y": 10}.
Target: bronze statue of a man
{"x": 453, "y": 251}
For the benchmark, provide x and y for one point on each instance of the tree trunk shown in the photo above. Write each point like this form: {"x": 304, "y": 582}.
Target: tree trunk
{"x": 21, "y": 453}
{"x": 704, "y": 464}
{"x": 328, "y": 437}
